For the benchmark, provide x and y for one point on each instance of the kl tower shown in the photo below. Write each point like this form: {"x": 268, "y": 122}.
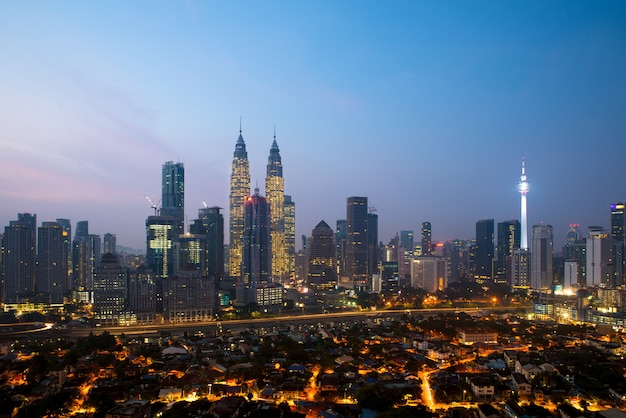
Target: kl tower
{"x": 522, "y": 186}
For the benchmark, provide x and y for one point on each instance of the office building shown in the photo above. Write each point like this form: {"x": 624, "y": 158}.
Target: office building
{"x": 190, "y": 254}
{"x": 173, "y": 195}
{"x": 160, "y": 244}
{"x": 617, "y": 235}
{"x": 52, "y": 280}
{"x": 109, "y": 244}
{"x": 373, "y": 253}
{"x": 19, "y": 258}
{"x": 426, "y": 238}
{"x": 429, "y": 273}
{"x": 239, "y": 191}
{"x": 256, "y": 265}
{"x": 541, "y": 257}
{"x": 576, "y": 250}
{"x": 484, "y": 252}
{"x": 508, "y": 240}
{"x": 520, "y": 269}
{"x": 290, "y": 235}
{"x": 67, "y": 243}
{"x": 600, "y": 269}
{"x": 86, "y": 256}
{"x": 341, "y": 240}
{"x": 110, "y": 292}
{"x": 210, "y": 223}
{"x": 322, "y": 270}
{"x": 357, "y": 242}
{"x": 275, "y": 197}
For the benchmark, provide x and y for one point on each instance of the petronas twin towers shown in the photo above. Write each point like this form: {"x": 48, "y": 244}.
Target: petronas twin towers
{"x": 281, "y": 213}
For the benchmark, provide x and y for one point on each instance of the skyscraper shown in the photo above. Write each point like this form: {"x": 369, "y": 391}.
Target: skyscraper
{"x": 341, "y": 240}
{"x": 256, "y": 266}
{"x": 239, "y": 191}
{"x": 541, "y": 257}
{"x": 109, "y": 244}
{"x": 173, "y": 195}
{"x": 523, "y": 189}
{"x": 372, "y": 244}
{"x": 159, "y": 244}
{"x": 617, "y": 234}
{"x": 600, "y": 271}
{"x": 275, "y": 196}
{"x": 426, "y": 238}
{"x": 508, "y": 241}
{"x": 357, "y": 241}
{"x": 322, "y": 271}
{"x": 406, "y": 242}
{"x": 210, "y": 223}
{"x": 290, "y": 234}
{"x": 52, "y": 268}
{"x": 66, "y": 226}
{"x": 19, "y": 257}
{"x": 483, "y": 258}
{"x": 86, "y": 257}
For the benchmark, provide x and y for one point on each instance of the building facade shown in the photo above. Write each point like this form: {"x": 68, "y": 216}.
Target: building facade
{"x": 357, "y": 242}
{"x": 275, "y": 196}
{"x": 239, "y": 191}
{"x": 322, "y": 273}
{"x": 541, "y": 257}
{"x": 173, "y": 195}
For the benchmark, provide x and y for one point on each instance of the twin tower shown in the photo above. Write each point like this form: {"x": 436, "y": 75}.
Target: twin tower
{"x": 247, "y": 221}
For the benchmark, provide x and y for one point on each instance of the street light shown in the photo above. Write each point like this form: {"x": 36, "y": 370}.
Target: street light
{"x": 464, "y": 392}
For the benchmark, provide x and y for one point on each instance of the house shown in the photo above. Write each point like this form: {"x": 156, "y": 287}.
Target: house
{"x": 520, "y": 384}
{"x": 482, "y": 386}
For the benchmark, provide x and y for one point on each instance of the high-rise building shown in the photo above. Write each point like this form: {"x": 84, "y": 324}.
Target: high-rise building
{"x": 484, "y": 253}
{"x": 275, "y": 196}
{"x": 52, "y": 268}
{"x": 357, "y": 241}
{"x": 341, "y": 239}
{"x": 110, "y": 291}
{"x": 86, "y": 255}
{"x": 618, "y": 229}
{"x": 173, "y": 195}
{"x": 109, "y": 242}
{"x": 290, "y": 234}
{"x": 19, "y": 257}
{"x": 600, "y": 270}
{"x": 429, "y": 273}
{"x": 508, "y": 240}
{"x": 66, "y": 226}
{"x": 373, "y": 253}
{"x": 256, "y": 266}
{"x": 239, "y": 191}
{"x": 426, "y": 238}
{"x": 210, "y": 223}
{"x": 190, "y": 254}
{"x": 159, "y": 244}
{"x": 322, "y": 271}
{"x": 576, "y": 250}
{"x": 541, "y": 257}
{"x": 522, "y": 187}
{"x": 406, "y": 242}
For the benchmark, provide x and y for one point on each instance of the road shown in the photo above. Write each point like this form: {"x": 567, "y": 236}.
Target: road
{"x": 241, "y": 324}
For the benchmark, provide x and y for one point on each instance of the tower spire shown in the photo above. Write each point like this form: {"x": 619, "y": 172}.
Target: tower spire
{"x": 522, "y": 187}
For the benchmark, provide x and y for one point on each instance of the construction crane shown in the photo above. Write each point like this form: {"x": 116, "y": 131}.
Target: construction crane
{"x": 153, "y": 205}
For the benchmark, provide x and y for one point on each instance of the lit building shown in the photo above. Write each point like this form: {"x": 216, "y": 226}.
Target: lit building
{"x": 19, "y": 257}
{"x": 322, "y": 272}
{"x": 269, "y": 296}
{"x": 210, "y": 223}
{"x": 541, "y": 257}
{"x": 290, "y": 234}
{"x": 188, "y": 297}
{"x": 275, "y": 196}
{"x": 239, "y": 191}
{"x": 373, "y": 253}
{"x": 341, "y": 240}
{"x": 508, "y": 240}
{"x": 52, "y": 279}
{"x": 173, "y": 195}
{"x": 484, "y": 253}
{"x": 600, "y": 271}
{"x": 576, "y": 250}
{"x": 190, "y": 254}
{"x": 523, "y": 187}
{"x": 110, "y": 287}
{"x": 256, "y": 266}
{"x": 426, "y": 238}
{"x": 86, "y": 255}
{"x": 357, "y": 242}
{"x": 520, "y": 269}
{"x": 617, "y": 234}
{"x": 159, "y": 244}
{"x": 142, "y": 294}
{"x": 429, "y": 273}
{"x": 66, "y": 226}
{"x": 570, "y": 276}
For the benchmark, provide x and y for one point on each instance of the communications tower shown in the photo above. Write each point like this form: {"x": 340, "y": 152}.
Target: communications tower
{"x": 523, "y": 189}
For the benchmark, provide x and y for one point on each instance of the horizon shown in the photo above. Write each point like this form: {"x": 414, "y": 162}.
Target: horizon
{"x": 424, "y": 108}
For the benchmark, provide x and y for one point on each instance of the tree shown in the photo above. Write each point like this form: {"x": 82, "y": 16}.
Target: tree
{"x": 377, "y": 397}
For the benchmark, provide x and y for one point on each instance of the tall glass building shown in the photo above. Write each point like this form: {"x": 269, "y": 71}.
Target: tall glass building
{"x": 239, "y": 191}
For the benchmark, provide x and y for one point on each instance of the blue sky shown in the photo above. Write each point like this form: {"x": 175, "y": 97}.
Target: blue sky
{"x": 424, "y": 107}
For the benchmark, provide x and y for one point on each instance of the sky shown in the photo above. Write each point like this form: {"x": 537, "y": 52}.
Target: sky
{"x": 425, "y": 107}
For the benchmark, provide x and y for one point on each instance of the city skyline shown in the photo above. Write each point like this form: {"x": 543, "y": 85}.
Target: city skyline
{"x": 426, "y": 109}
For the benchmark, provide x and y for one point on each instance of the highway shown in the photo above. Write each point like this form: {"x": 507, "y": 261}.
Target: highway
{"x": 241, "y": 324}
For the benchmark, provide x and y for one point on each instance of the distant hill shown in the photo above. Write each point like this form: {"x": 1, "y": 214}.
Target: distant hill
{"x": 134, "y": 251}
